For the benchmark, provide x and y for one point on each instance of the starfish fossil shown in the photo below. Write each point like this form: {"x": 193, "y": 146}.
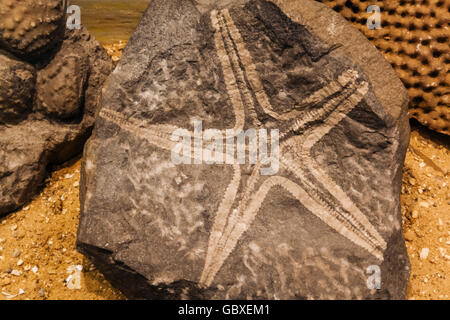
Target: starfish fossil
{"x": 313, "y": 188}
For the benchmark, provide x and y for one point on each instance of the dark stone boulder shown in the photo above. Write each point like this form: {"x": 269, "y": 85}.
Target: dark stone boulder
{"x": 53, "y": 129}
{"x": 319, "y": 218}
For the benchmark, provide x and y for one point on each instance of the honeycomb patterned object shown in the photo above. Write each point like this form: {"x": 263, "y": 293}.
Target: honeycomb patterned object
{"x": 31, "y": 27}
{"x": 415, "y": 38}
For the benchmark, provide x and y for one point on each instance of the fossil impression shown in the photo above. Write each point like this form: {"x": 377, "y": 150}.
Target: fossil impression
{"x": 222, "y": 229}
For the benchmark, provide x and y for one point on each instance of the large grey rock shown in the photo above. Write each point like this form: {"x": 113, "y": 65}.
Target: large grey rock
{"x": 321, "y": 226}
{"x": 66, "y": 95}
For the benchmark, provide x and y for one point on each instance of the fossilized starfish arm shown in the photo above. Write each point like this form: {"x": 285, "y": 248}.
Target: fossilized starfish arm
{"x": 230, "y": 77}
{"x": 222, "y": 213}
{"x": 225, "y": 26}
{"x": 349, "y": 206}
{"x": 241, "y": 224}
{"x": 299, "y": 147}
{"x": 162, "y": 136}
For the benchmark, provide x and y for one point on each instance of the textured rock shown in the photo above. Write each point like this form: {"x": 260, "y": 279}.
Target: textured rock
{"x": 56, "y": 127}
{"x": 311, "y": 229}
{"x": 60, "y": 85}
{"x": 414, "y": 37}
{"x": 17, "y": 80}
{"x": 31, "y": 27}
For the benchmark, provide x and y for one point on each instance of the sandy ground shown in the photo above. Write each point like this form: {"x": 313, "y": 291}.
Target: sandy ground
{"x": 426, "y": 214}
{"x": 115, "y": 50}
{"x": 38, "y": 258}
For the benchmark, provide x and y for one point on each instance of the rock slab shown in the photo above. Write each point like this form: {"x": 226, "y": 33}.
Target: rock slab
{"x": 323, "y": 223}
{"x": 47, "y": 109}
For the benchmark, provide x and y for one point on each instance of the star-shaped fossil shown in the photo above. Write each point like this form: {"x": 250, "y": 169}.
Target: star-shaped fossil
{"x": 303, "y": 128}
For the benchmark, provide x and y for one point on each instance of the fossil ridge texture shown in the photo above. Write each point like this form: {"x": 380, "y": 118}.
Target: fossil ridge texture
{"x": 29, "y": 28}
{"x": 311, "y": 229}
{"x": 415, "y": 38}
{"x": 47, "y": 111}
{"x": 16, "y": 88}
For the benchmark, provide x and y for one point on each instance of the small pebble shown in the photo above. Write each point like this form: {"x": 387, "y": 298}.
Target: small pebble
{"x": 16, "y": 273}
{"x": 424, "y": 253}
{"x": 410, "y": 235}
{"x": 16, "y": 253}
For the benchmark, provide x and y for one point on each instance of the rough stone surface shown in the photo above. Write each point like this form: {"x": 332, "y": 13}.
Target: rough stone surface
{"x": 414, "y": 37}
{"x": 17, "y": 81}
{"x": 60, "y": 85}
{"x": 55, "y": 128}
{"x": 313, "y": 228}
{"x": 29, "y": 28}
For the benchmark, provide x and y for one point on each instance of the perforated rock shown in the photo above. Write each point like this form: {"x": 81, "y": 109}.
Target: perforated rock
{"x": 17, "y": 84}
{"x": 415, "y": 38}
{"x": 31, "y": 27}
